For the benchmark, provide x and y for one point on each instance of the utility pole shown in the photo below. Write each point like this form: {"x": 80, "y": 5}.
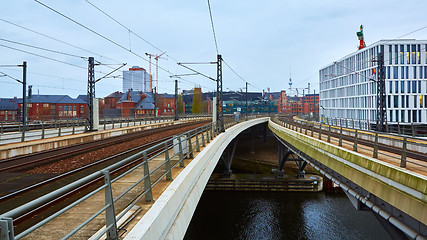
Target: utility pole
{"x": 155, "y": 104}
{"x": 176, "y": 100}
{"x": 381, "y": 95}
{"x": 220, "y": 119}
{"x": 246, "y": 100}
{"x": 24, "y": 95}
{"x": 90, "y": 94}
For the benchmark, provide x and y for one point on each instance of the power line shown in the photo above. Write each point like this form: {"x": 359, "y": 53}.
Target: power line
{"x": 55, "y": 39}
{"x": 6, "y": 75}
{"x": 44, "y": 49}
{"x": 38, "y": 55}
{"x": 98, "y": 34}
{"x": 213, "y": 28}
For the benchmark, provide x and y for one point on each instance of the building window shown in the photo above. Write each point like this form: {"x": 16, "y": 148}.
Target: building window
{"x": 74, "y": 108}
{"x": 413, "y": 59}
{"x": 388, "y": 73}
{"x": 390, "y": 55}
{"x": 396, "y": 102}
{"x": 415, "y": 101}
{"x": 421, "y": 101}
{"x": 402, "y": 72}
{"x": 402, "y": 86}
{"x": 390, "y": 85}
{"x": 403, "y": 101}
{"x": 414, "y": 86}
{"x": 391, "y": 116}
{"x": 407, "y": 101}
{"x": 415, "y": 72}
{"x": 408, "y": 50}
{"x": 395, "y": 72}
{"x": 407, "y": 72}
{"x": 396, "y": 50}
{"x": 45, "y": 105}
{"x": 396, "y": 86}
{"x": 402, "y": 115}
{"x": 419, "y": 86}
{"x": 402, "y": 50}
{"x": 414, "y": 115}
{"x": 81, "y": 109}
{"x": 397, "y": 115}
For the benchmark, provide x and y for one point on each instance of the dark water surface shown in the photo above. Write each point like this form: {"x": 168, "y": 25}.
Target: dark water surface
{"x": 281, "y": 215}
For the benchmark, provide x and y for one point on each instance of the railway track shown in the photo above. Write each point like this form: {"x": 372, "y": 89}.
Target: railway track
{"x": 383, "y": 147}
{"x": 32, "y": 160}
{"x": 15, "y": 179}
{"x": 24, "y": 195}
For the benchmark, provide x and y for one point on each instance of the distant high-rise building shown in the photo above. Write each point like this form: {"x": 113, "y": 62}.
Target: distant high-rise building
{"x": 136, "y": 79}
{"x": 348, "y": 86}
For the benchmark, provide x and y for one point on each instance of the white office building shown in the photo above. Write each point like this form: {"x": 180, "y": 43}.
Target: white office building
{"x": 136, "y": 79}
{"x": 348, "y": 89}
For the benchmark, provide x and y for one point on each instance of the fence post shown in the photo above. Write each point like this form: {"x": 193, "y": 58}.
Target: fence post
{"x": 1, "y": 129}
{"x": 128, "y": 122}
{"x": 340, "y": 139}
{"x": 329, "y": 134}
{"x": 398, "y": 128}
{"x": 42, "y": 130}
{"x": 121, "y": 122}
{"x": 305, "y": 127}
{"x": 203, "y": 138}
{"x": 105, "y": 124}
{"x": 212, "y": 132}
{"x": 197, "y": 143}
{"x": 312, "y": 129}
{"x": 140, "y": 121}
{"x": 110, "y": 215}
{"x": 181, "y": 154}
{"x": 112, "y": 121}
{"x": 59, "y": 129}
{"x": 167, "y": 163}
{"x": 412, "y": 129}
{"x": 352, "y": 123}
{"x": 74, "y": 127}
{"x": 207, "y": 136}
{"x": 375, "y": 154}
{"x": 340, "y": 122}
{"x": 403, "y": 158}
{"x": 360, "y": 124}
{"x": 320, "y": 131}
{"x": 147, "y": 180}
{"x": 190, "y": 147}
{"x": 346, "y": 123}
{"x": 355, "y": 141}
{"x": 6, "y": 229}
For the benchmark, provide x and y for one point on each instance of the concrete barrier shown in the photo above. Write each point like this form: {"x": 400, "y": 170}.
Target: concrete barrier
{"x": 171, "y": 214}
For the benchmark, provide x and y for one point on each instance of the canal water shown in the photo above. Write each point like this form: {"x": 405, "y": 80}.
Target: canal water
{"x": 281, "y": 215}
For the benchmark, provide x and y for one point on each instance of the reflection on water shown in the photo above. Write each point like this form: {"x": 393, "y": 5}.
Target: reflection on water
{"x": 286, "y": 215}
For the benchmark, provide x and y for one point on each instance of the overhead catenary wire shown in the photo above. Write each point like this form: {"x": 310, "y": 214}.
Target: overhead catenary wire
{"x": 213, "y": 27}
{"x": 44, "y": 49}
{"x": 57, "y": 40}
{"x": 98, "y": 34}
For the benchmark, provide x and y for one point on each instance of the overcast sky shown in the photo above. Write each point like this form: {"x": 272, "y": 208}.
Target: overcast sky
{"x": 260, "y": 40}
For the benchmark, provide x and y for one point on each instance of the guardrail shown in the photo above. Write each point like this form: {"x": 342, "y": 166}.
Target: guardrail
{"x": 184, "y": 145}
{"x": 387, "y": 141}
{"x": 61, "y": 128}
{"x": 409, "y": 129}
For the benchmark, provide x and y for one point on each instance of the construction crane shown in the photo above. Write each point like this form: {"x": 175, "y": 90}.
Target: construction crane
{"x": 156, "y": 57}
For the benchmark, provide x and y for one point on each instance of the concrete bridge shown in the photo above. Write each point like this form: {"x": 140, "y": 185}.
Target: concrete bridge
{"x": 396, "y": 195}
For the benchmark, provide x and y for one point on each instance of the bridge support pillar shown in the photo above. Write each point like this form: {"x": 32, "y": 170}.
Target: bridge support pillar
{"x": 283, "y": 154}
{"x": 301, "y": 165}
{"x": 227, "y": 159}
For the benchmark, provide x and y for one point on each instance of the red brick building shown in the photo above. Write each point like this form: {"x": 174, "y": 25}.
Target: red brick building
{"x": 48, "y": 107}
{"x": 136, "y": 104}
{"x": 165, "y": 104}
{"x": 9, "y": 110}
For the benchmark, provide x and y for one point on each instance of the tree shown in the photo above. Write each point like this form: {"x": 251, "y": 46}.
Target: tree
{"x": 197, "y": 101}
{"x": 180, "y": 104}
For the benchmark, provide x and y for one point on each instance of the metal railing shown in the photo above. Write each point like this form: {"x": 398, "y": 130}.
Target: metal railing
{"x": 409, "y": 129}
{"x": 148, "y": 173}
{"x": 68, "y": 127}
{"x": 387, "y": 142}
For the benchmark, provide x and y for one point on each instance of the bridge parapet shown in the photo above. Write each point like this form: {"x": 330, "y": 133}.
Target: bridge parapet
{"x": 400, "y": 187}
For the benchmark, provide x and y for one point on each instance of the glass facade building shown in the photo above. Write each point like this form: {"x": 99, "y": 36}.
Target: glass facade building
{"x": 136, "y": 79}
{"x": 348, "y": 87}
